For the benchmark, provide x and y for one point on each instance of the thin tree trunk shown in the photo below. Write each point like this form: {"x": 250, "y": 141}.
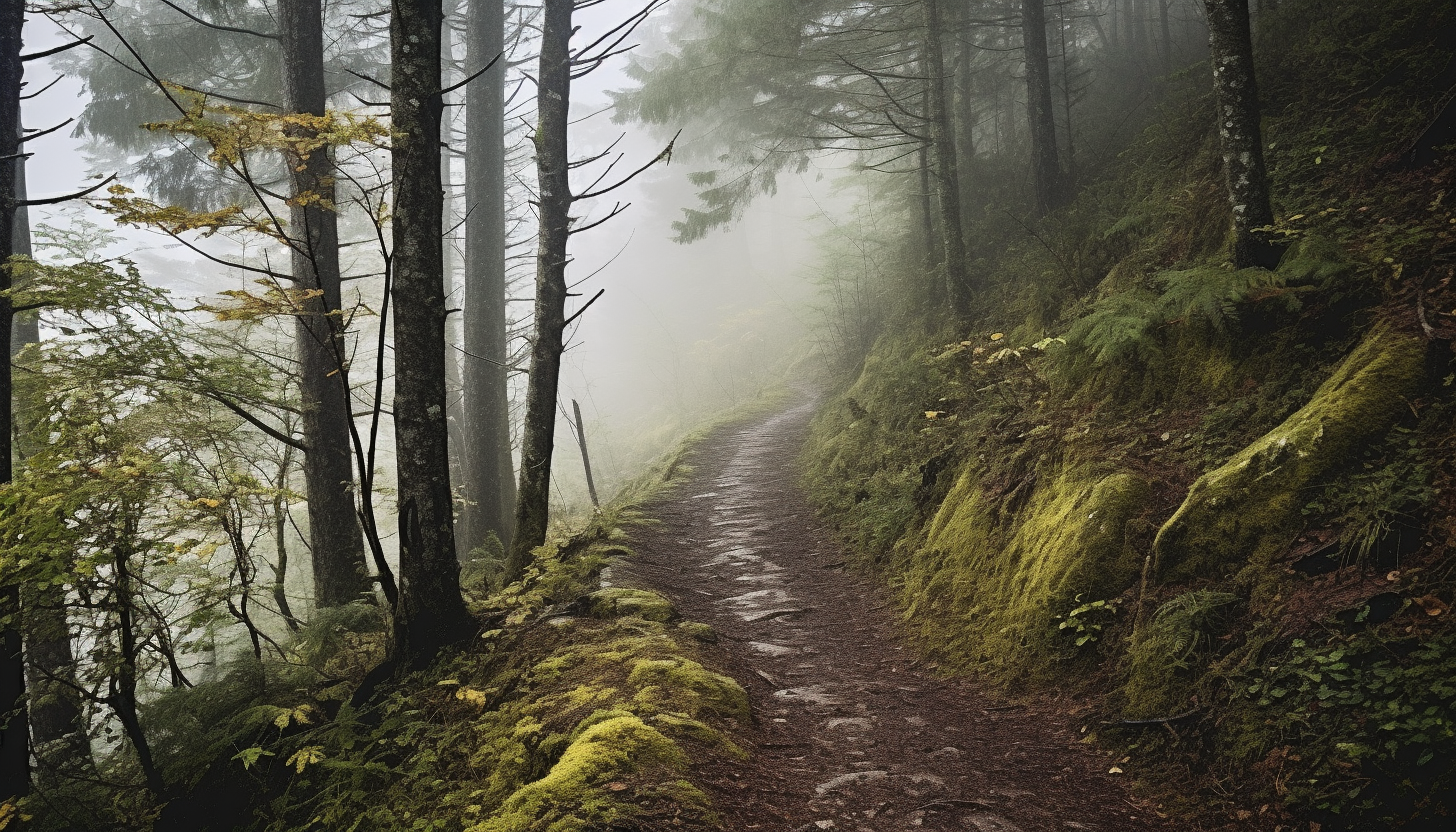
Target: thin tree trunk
{"x": 488, "y": 471}
{"x": 14, "y": 724}
{"x": 944, "y": 167}
{"x": 335, "y": 538}
{"x": 539, "y": 428}
{"x": 591, "y": 484}
{"x": 1046, "y": 170}
{"x": 1238, "y": 131}
{"x": 965, "y": 120}
{"x": 431, "y": 611}
{"x": 123, "y": 698}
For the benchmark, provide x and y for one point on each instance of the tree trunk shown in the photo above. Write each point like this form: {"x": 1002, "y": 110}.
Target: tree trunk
{"x": 944, "y": 165}
{"x": 489, "y": 478}
{"x": 591, "y": 483}
{"x": 1045, "y": 169}
{"x": 336, "y": 541}
{"x": 57, "y": 722}
{"x": 123, "y": 682}
{"x": 1238, "y": 131}
{"x": 539, "y": 429}
{"x": 431, "y": 612}
{"x": 14, "y": 725}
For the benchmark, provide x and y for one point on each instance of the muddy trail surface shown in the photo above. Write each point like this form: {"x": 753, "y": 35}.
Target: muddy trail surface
{"x": 849, "y": 734}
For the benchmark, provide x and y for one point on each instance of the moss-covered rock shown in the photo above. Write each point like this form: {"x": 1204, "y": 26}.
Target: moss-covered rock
{"x": 1004, "y": 577}
{"x": 619, "y": 601}
{"x": 1249, "y": 506}
{"x": 570, "y": 796}
{"x": 687, "y": 687}
{"x": 699, "y": 631}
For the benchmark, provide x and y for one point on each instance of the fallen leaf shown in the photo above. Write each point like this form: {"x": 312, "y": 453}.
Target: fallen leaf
{"x": 1433, "y": 605}
{"x": 997, "y": 336}
{"x": 933, "y": 414}
{"x": 1115, "y": 770}
{"x": 1393, "y": 575}
{"x": 616, "y": 787}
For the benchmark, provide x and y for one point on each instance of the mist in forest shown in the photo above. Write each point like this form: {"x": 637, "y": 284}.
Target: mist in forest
{"x": 318, "y": 309}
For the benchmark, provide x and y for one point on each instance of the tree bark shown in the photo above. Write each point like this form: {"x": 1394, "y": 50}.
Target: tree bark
{"x": 14, "y": 724}
{"x": 431, "y": 612}
{"x": 489, "y": 475}
{"x": 944, "y": 165}
{"x": 57, "y": 722}
{"x": 539, "y": 429}
{"x": 335, "y": 538}
{"x": 1238, "y": 131}
{"x": 1045, "y": 168}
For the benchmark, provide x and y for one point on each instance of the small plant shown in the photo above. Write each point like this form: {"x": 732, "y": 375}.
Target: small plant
{"x": 1086, "y": 621}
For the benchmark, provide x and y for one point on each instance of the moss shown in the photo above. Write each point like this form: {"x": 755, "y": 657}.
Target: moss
{"x": 618, "y": 601}
{"x": 1164, "y": 658}
{"x": 699, "y": 631}
{"x": 1249, "y": 507}
{"x": 683, "y": 727}
{"x": 687, "y": 687}
{"x": 985, "y": 585}
{"x": 572, "y": 795}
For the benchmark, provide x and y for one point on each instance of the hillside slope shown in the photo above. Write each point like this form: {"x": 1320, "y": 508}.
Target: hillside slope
{"x": 1214, "y": 502}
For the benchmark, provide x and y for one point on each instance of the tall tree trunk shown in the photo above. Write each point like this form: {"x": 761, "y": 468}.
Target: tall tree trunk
{"x": 489, "y": 481}
{"x": 14, "y": 725}
{"x": 57, "y": 721}
{"x": 965, "y": 114}
{"x": 945, "y": 166}
{"x": 553, "y": 103}
{"x": 336, "y": 541}
{"x": 1238, "y": 131}
{"x": 431, "y": 611}
{"x": 1045, "y": 169}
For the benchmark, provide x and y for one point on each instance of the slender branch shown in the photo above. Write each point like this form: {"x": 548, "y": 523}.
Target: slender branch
{"x": 218, "y": 26}
{"x": 35, "y": 56}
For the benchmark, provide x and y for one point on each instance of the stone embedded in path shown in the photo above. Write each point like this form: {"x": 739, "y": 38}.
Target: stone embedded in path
{"x": 987, "y": 822}
{"x": 853, "y": 778}
{"x": 769, "y": 649}
{"x": 850, "y": 722}
{"x": 814, "y": 694}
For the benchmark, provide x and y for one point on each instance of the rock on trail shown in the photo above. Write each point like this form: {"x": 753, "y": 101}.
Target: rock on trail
{"x": 849, "y": 735}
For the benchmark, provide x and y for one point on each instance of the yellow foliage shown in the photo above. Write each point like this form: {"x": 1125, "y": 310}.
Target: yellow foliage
{"x": 273, "y": 302}
{"x": 305, "y": 757}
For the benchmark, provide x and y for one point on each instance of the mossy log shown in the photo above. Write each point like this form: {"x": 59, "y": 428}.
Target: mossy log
{"x": 1249, "y": 507}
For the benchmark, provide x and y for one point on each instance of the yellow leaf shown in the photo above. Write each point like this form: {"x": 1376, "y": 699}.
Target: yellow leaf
{"x": 932, "y": 414}
{"x": 472, "y": 696}
{"x": 997, "y": 336}
{"x": 306, "y": 756}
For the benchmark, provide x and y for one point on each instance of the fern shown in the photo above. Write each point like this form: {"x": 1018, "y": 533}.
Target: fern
{"x": 1117, "y": 328}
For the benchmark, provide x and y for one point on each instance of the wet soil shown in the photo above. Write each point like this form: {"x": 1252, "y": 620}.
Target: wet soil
{"x": 851, "y": 732}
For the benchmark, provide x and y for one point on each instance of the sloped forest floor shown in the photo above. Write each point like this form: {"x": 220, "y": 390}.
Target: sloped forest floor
{"x": 851, "y": 731}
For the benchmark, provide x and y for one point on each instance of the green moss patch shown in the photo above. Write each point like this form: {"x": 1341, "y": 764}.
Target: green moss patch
{"x": 642, "y": 603}
{"x": 1004, "y": 577}
{"x": 1249, "y": 506}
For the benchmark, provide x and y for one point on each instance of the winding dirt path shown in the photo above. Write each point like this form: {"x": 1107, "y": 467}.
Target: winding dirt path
{"x": 849, "y": 734}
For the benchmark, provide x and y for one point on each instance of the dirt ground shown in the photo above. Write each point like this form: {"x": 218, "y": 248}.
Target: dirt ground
{"x": 850, "y": 733}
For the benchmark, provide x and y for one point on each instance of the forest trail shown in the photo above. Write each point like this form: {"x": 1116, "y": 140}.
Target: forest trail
{"x": 849, "y": 734}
